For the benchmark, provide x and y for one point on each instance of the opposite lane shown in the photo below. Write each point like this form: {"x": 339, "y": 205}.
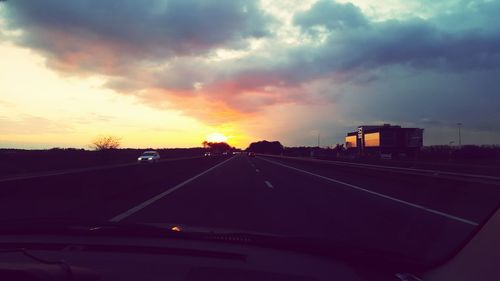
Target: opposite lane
{"x": 95, "y": 195}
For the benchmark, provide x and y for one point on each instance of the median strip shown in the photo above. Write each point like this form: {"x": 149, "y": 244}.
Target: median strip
{"x": 423, "y": 208}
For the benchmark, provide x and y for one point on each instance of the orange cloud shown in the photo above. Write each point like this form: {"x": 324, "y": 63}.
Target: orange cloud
{"x": 211, "y": 111}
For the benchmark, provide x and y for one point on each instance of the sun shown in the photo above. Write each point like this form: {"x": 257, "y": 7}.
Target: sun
{"x": 216, "y": 137}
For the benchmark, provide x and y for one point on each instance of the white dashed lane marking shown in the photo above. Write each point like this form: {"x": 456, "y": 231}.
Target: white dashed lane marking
{"x": 269, "y": 184}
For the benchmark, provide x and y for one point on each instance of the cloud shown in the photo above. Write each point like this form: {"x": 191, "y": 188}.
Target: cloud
{"x": 414, "y": 42}
{"x": 166, "y": 53}
{"x": 108, "y": 36}
{"x": 331, "y": 15}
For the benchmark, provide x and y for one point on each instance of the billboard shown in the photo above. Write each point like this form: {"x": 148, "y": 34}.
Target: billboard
{"x": 350, "y": 142}
{"x": 372, "y": 139}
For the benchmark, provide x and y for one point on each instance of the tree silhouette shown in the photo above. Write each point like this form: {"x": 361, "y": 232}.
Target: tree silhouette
{"x": 272, "y": 147}
{"x": 217, "y": 146}
{"x": 205, "y": 144}
{"x": 105, "y": 143}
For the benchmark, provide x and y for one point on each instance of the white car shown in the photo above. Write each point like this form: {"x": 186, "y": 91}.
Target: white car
{"x": 149, "y": 157}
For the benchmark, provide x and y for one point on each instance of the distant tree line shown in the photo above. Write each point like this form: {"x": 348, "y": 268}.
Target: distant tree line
{"x": 466, "y": 152}
{"x": 275, "y": 147}
{"x": 217, "y": 146}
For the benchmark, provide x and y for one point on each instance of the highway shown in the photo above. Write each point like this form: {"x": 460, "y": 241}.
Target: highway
{"x": 413, "y": 213}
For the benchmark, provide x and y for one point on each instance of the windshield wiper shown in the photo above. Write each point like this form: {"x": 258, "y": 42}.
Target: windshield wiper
{"x": 70, "y": 226}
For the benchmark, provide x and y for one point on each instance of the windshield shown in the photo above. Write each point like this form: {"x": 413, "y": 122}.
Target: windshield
{"x": 346, "y": 122}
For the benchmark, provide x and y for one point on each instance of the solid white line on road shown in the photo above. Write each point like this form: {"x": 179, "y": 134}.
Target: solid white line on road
{"x": 452, "y": 217}
{"x": 163, "y": 194}
{"x": 269, "y": 184}
{"x": 398, "y": 169}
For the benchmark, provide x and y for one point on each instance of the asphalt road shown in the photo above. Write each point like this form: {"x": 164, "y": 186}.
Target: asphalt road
{"x": 415, "y": 214}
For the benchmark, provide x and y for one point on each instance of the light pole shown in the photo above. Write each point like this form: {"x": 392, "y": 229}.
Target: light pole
{"x": 450, "y": 149}
{"x": 459, "y": 135}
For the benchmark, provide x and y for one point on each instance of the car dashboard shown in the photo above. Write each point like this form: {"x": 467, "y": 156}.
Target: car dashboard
{"x": 54, "y": 257}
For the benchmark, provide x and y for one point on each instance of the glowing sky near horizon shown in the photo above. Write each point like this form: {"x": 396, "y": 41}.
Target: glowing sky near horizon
{"x": 176, "y": 72}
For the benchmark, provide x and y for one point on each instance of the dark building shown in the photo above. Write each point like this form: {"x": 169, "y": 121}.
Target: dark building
{"x": 385, "y": 141}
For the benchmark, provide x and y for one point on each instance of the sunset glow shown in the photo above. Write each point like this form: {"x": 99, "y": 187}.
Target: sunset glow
{"x": 216, "y": 137}
{"x": 279, "y": 70}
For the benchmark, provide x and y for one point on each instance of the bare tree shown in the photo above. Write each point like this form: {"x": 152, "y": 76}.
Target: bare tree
{"x": 105, "y": 143}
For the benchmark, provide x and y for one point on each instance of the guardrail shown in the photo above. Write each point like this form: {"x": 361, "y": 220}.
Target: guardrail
{"x": 485, "y": 179}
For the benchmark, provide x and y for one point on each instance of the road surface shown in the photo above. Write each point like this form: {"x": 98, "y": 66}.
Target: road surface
{"x": 412, "y": 213}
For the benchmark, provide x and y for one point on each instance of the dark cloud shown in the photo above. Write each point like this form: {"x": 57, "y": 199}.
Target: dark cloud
{"x": 331, "y": 15}
{"x": 432, "y": 100}
{"x": 353, "y": 55}
{"x": 413, "y": 42}
{"x": 107, "y": 35}
{"x": 350, "y": 53}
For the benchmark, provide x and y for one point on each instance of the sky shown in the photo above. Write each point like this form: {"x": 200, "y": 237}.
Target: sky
{"x": 172, "y": 73}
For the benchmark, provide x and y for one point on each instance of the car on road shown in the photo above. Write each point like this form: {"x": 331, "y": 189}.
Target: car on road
{"x": 150, "y": 156}
{"x": 207, "y": 154}
{"x": 251, "y": 154}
